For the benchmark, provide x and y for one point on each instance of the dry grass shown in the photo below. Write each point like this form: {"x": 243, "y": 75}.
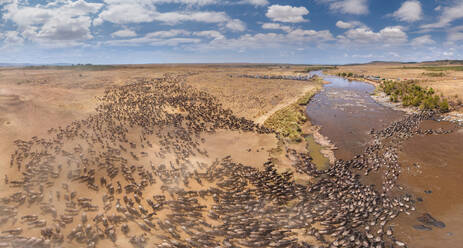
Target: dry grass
{"x": 249, "y": 97}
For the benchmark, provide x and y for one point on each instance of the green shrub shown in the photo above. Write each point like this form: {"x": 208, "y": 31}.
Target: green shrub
{"x": 411, "y": 94}
{"x": 444, "y": 106}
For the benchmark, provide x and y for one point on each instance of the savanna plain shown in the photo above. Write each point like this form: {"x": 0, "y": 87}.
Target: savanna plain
{"x": 232, "y": 155}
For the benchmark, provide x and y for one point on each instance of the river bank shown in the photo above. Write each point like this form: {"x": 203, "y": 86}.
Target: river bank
{"x": 427, "y": 161}
{"x": 345, "y": 113}
{"x": 295, "y": 129}
{"x": 455, "y": 115}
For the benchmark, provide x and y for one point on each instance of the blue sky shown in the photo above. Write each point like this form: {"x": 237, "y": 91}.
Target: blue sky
{"x": 216, "y": 31}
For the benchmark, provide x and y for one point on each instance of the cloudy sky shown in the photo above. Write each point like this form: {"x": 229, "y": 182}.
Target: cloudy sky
{"x": 270, "y": 31}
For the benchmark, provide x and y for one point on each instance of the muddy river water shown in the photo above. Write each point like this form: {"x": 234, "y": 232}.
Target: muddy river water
{"x": 346, "y": 113}
{"x": 431, "y": 165}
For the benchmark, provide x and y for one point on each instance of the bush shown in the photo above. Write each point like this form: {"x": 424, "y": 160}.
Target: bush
{"x": 412, "y": 94}
{"x": 444, "y": 106}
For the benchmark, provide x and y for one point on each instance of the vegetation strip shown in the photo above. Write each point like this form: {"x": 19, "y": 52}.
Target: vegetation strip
{"x": 288, "y": 120}
{"x": 433, "y": 68}
{"x": 411, "y": 94}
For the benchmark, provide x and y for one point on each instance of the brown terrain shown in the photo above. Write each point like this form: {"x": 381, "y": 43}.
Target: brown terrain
{"x": 60, "y": 125}
{"x": 178, "y": 156}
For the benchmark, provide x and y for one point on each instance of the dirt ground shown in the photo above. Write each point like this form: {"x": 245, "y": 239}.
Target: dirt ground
{"x": 34, "y": 100}
{"x": 449, "y": 83}
{"x": 36, "y": 104}
{"x": 112, "y": 157}
{"x": 249, "y": 97}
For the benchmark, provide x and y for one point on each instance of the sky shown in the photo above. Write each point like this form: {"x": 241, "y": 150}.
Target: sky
{"x": 222, "y": 31}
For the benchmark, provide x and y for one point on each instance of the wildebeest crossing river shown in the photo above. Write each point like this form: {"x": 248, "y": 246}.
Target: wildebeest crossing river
{"x": 429, "y": 162}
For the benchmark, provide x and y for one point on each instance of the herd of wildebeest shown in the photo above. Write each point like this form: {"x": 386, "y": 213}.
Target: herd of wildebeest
{"x": 300, "y": 77}
{"x": 136, "y": 172}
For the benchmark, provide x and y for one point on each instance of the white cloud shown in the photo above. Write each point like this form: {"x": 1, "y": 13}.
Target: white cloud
{"x": 5, "y": 1}
{"x": 247, "y": 41}
{"x": 12, "y": 38}
{"x": 448, "y": 54}
{"x": 168, "y": 33}
{"x": 363, "y": 56}
{"x": 63, "y": 28}
{"x": 348, "y": 25}
{"x": 393, "y": 35}
{"x": 276, "y": 26}
{"x": 455, "y": 34}
{"x": 139, "y": 11}
{"x": 449, "y": 14}
{"x": 216, "y": 40}
{"x": 295, "y": 38}
{"x": 355, "y": 7}
{"x": 187, "y": 2}
{"x": 145, "y": 11}
{"x": 200, "y": 16}
{"x": 394, "y": 54}
{"x": 126, "y": 12}
{"x": 255, "y": 2}
{"x": 345, "y": 25}
{"x": 124, "y": 33}
{"x": 423, "y": 40}
{"x": 286, "y": 13}
{"x": 172, "y": 37}
{"x": 60, "y": 21}
{"x": 310, "y": 35}
{"x": 210, "y": 34}
{"x": 410, "y": 11}
{"x": 25, "y": 16}
{"x": 236, "y": 25}
{"x": 363, "y": 35}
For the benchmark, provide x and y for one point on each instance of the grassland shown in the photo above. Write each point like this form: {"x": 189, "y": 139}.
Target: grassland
{"x": 433, "y": 68}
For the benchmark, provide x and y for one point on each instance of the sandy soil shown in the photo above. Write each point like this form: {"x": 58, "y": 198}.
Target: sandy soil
{"x": 251, "y": 98}
{"x": 32, "y": 101}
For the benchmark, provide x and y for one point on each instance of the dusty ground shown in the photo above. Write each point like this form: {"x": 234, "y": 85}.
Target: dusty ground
{"x": 450, "y": 84}
{"x": 38, "y": 105}
{"x": 159, "y": 163}
{"x": 34, "y": 100}
{"x": 248, "y": 97}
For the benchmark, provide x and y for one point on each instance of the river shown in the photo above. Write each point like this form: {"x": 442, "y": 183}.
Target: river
{"x": 431, "y": 165}
{"x": 346, "y": 113}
